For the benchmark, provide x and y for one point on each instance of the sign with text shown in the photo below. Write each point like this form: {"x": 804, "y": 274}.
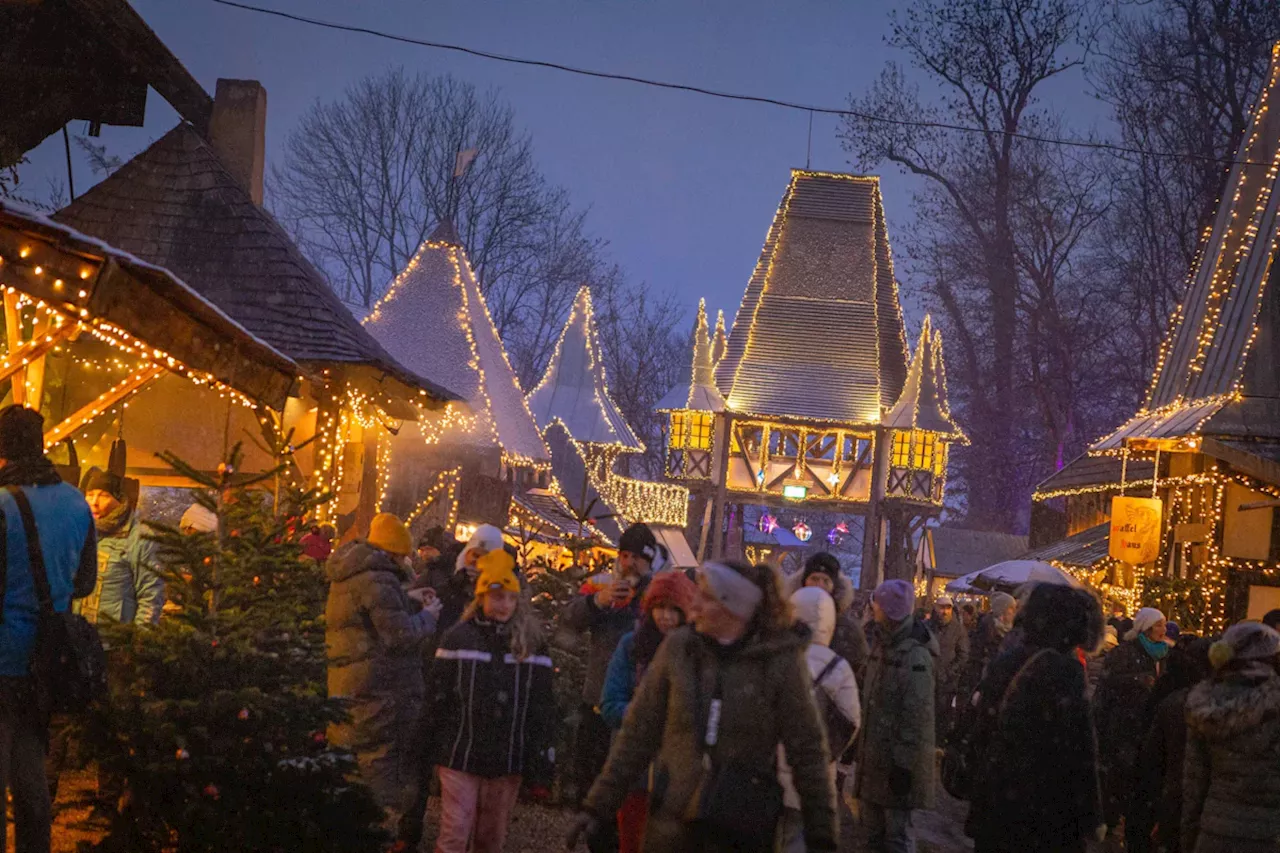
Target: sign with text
{"x": 1135, "y": 529}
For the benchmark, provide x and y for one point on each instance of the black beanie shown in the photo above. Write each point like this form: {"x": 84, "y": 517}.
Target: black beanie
{"x": 822, "y": 562}
{"x": 21, "y": 433}
{"x": 97, "y": 480}
{"x": 639, "y": 540}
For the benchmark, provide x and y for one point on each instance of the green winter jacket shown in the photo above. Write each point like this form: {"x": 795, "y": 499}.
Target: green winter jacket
{"x": 128, "y": 589}
{"x": 896, "y": 742}
{"x": 767, "y": 699}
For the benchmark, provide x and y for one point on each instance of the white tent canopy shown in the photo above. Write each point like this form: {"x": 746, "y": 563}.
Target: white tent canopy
{"x": 1009, "y": 575}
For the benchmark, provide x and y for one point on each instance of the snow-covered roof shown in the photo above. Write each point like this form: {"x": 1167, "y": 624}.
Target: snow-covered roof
{"x": 434, "y": 320}
{"x": 923, "y": 402}
{"x": 575, "y": 388}
{"x": 719, "y": 341}
{"x": 819, "y": 332}
{"x": 700, "y": 393}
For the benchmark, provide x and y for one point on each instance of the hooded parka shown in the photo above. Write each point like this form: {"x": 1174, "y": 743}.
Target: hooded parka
{"x": 848, "y": 640}
{"x": 896, "y": 743}
{"x": 374, "y": 641}
{"x": 766, "y": 700}
{"x": 1231, "y": 776}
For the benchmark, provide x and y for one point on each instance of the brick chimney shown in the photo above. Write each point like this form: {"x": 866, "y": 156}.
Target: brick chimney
{"x": 238, "y": 131}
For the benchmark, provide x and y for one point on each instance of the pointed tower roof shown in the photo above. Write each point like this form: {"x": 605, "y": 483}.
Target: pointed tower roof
{"x": 574, "y": 388}
{"x": 720, "y": 341}
{"x": 1216, "y": 372}
{"x": 434, "y": 318}
{"x": 700, "y": 394}
{"x": 923, "y": 403}
{"x": 819, "y": 334}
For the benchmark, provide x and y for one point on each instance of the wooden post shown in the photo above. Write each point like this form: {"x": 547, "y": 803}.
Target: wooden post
{"x": 17, "y": 360}
{"x": 722, "y": 487}
{"x": 13, "y": 338}
{"x": 872, "y": 544}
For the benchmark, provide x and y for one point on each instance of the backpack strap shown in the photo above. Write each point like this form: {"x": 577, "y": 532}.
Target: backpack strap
{"x": 827, "y": 670}
{"x": 35, "y": 556}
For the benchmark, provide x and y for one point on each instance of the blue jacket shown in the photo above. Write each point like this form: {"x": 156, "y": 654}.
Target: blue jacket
{"x": 619, "y": 682}
{"x": 67, "y": 541}
{"x": 129, "y": 589}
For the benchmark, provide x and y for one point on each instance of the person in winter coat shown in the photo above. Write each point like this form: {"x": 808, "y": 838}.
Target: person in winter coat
{"x": 1164, "y": 748}
{"x": 895, "y": 772}
{"x": 373, "y": 635}
{"x": 667, "y": 605}
{"x": 491, "y": 695}
{"x": 953, "y": 657}
{"x": 1096, "y": 661}
{"x": 1121, "y": 709}
{"x": 607, "y": 608}
{"x": 129, "y": 589}
{"x": 986, "y": 639}
{"x": 1231, "y": 775}
{"x": 849, "y": 641}
{"x": 316, "y": 544}
{"x": 452, "y": 576}
{"x": 65, "y": 530}
{"x": 709, "y": 714}
{"x": 836, "y": 691}
{"x": 1033, "y": 751}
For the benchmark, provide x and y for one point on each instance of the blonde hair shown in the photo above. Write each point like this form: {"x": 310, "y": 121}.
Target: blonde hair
{"x": 523, "y": 626}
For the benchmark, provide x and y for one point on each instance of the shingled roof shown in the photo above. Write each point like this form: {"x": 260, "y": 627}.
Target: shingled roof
{"x": 175, "y": 205}
{"x": 1216, "y": 373}
{"x": 923, "y": 402}
{"x": 819, "y": 333}
{"x": 574, "y": 387}
{"x": 700, "y": 393}
{"x": 434, "y": 319}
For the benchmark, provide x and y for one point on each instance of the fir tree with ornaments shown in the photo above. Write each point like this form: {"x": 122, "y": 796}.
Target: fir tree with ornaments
{"x": 214, "y": 727}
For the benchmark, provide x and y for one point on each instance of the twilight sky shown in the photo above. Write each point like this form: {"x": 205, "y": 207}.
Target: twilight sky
{"x": 682, "y": 186}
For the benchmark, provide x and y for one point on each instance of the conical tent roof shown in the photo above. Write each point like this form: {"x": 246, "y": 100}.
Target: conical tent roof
{"x": 923, "y": 403}
{"x": 1216, "y": 372}
{"x": 819, "y": 333}
{"x": 574, "y": 388}
{"x": 701, "y": 393}
{"x": 434, "y": 318}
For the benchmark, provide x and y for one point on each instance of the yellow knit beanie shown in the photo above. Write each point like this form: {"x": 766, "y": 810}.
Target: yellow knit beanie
{"x": 497, "y": 571}
{"x": 389, "y": 533}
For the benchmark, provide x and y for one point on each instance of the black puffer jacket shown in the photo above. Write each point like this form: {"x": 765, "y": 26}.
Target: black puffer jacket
{"x": 494, "y": 715}
{"x": 1123, "y": 713}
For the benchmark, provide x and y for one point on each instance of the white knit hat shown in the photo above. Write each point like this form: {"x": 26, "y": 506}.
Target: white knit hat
{"x": 1142, "y": 622}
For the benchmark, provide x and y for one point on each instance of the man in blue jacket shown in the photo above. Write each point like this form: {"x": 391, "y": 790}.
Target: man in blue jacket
{"x": 129, "y": 588}
{"x": 67, "y": 542}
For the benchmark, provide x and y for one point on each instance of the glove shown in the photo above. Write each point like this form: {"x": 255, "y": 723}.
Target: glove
{"x": 584, "y": 825}
{"x": 900, "y": 781}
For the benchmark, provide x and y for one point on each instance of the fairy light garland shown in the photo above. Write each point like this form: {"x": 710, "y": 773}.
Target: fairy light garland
{"x": 446, "y": 482}
{"x": 635, "y": 500}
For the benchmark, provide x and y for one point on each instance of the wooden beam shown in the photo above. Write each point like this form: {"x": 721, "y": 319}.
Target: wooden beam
{"x": 129, "y": 386}
{"x": 18, "y": 360}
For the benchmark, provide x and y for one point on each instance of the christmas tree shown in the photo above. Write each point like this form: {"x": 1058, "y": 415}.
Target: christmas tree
{"x": 214, "y": 728}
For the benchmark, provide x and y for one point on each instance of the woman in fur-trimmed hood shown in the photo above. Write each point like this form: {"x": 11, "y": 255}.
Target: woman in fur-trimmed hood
{"x": 849, "y": 640}
{"x": 1231, "y": 774}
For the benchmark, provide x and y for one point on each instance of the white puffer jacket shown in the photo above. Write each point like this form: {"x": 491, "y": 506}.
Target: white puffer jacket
{"x": 815, "y": 608}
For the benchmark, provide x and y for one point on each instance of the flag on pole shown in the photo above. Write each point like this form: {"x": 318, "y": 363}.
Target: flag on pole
{"x": 463, "y": 161}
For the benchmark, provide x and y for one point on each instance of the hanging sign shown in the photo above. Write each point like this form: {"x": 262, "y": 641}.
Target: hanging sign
{"x": 1135, "y": 529}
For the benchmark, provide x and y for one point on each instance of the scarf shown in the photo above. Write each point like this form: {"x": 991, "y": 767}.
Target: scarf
{"x": 1157, "y": 650}
{"x": 29, "y": 471}
{"x": 113, "y": 522}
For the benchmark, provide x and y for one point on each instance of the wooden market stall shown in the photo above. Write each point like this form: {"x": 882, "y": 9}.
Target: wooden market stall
{"x": 813, "y": 410}
{"x": 193, "y": 205}
{"x": 91, "y": 329}
{"x": 1188, "y": 487}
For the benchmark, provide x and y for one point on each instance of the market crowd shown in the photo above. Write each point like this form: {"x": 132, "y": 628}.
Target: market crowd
{"x": 722, "y": 706}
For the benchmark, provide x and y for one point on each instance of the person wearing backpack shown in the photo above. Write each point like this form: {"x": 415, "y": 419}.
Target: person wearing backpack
{"x": 835, "y": 689}
{"x": 65, "y": 541}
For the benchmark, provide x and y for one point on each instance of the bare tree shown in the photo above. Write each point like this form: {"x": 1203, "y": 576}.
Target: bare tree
{"x": 988, "y": 60}
{"x": 1181, "y": 76}
{"x": 367, "y": 177}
